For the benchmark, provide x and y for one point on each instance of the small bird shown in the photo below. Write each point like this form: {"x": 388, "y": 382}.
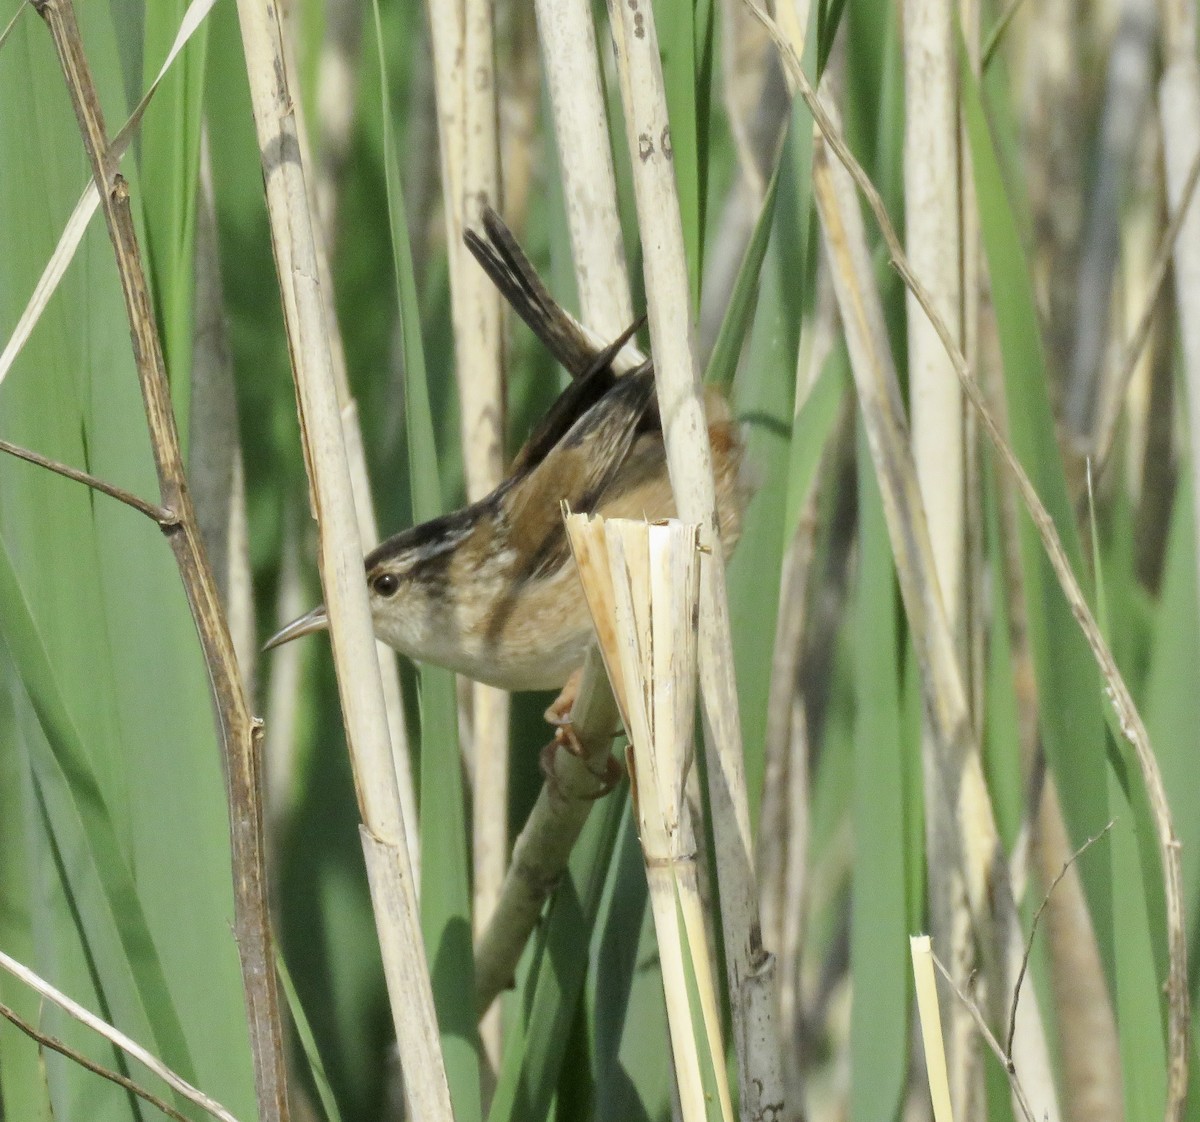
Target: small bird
{"x": 490, "y": 591}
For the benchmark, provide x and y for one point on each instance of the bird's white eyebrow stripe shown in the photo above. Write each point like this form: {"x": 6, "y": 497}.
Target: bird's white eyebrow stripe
{"x": 423, "y": 543}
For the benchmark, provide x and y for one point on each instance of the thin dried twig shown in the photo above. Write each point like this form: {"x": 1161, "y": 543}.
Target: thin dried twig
{"x": 115, "y": 1036}
{"x": 1129, "y": 718}
{"x": 8, "y": 27}
{"x": 1005, "y": 1058}
{"x": 1037, "y": 916}
{"x": 167, "y": 519}
{"x": 240, "y": 732}
{"x": 1004, "y": 1052}
{"x": 56, "y": 1045}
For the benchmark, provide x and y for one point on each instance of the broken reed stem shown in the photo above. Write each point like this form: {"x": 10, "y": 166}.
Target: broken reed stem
{"x": 240, "y": 734}
{"x": 929, "y": 1014}
{"x": 750, "y": 969}
{"x": 641, "y": 583}
{"x": 393, "y": 891}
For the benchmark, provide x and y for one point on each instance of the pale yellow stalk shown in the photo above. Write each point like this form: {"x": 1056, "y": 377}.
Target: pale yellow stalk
{"x": 364, "y": 714}
{"x": 750, "y": 968}
{"x": 641, "y": 583}
{"x": 932, "y": 211}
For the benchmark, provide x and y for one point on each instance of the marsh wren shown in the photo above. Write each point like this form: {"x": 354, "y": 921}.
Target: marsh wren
{"x": 491, "y": 591}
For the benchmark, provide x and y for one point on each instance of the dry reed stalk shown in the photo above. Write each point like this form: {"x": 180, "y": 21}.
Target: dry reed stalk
{"x": 569, "y": 59}
{"x": 973, "y": 285}
{"x": 641, "y": 583}
{"x": 931, "y": 1028}
{"x": 933, "y": 216}
{"x": 750, "y": 968}
{"x": 465, "y": 82}
{"x": 360, "y": 485}
{"x": 239, "y": 731}
{"x": 479, "y": 366}
{"x": 364, "y": 714}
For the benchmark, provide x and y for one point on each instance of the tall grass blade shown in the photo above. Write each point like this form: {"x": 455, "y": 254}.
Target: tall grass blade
{"x": 879, "y": 910}
{"x": 1068, "y": 683}
{"x": 77, "y": 812}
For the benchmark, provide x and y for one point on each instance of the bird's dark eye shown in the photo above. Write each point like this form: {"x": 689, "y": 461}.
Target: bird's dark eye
{"x": 386, "y": 584}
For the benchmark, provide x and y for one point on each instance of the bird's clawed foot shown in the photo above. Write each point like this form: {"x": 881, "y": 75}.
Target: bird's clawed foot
{"x": 565, "y": 738}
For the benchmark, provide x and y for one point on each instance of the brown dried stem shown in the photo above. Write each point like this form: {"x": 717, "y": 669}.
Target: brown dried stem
{"x": 240, "y": 733}
{"x": 114, "y": 1036}
{"x": 56, "y": 1045}
{"x": 166, "y": 519}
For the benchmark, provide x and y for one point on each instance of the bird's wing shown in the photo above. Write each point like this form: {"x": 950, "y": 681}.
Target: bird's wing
{"x": 579, "y": 467}
{"x": 593, "y": 385}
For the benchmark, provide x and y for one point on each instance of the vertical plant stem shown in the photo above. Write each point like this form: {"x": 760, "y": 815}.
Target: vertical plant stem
{"x": 860, "y": 307}
{"x": 750, "y": 968}
{"x": 932, "y": 212}
{"x": 360, "y": 485}
{"x": 390, "y": 874}
{"x": 240, "y": 733}
{"x": 569, "y": 57}
{"x": 465, "y": 76}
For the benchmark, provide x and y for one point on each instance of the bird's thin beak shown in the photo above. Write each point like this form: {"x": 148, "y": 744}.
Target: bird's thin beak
{"x": 316, "y": 620}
